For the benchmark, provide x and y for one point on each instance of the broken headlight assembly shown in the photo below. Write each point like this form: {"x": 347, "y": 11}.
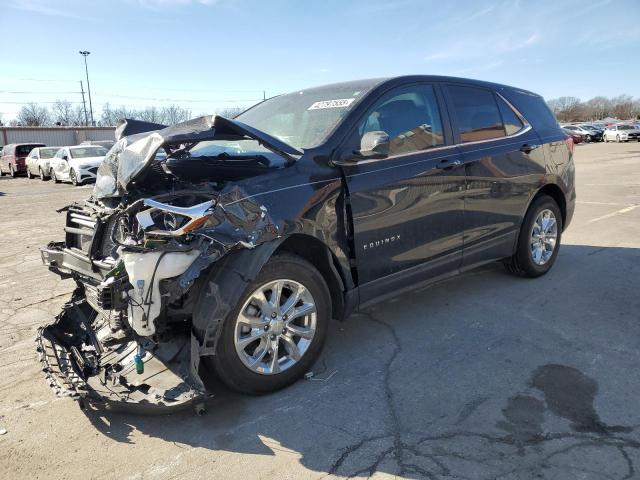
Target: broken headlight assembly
{"x": 168, "y": 220}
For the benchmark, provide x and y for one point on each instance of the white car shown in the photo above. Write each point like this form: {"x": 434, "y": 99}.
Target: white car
{"x": 37, "y": 162}
{"x": 76, "y": 164}
{"x": 621, "y": 133}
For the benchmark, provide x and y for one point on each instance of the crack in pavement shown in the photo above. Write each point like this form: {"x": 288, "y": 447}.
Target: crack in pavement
{"x": 523, "y": 427}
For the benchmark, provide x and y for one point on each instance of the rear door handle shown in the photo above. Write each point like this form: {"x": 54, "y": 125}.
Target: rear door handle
{"x": 528, "y": 148}
{"x": 447, "y": 164}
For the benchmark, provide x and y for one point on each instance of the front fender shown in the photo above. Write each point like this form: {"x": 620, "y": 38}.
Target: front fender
{"x": 221, "y": 289}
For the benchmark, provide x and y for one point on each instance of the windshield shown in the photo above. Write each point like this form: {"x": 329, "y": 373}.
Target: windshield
{"x": 86, "y": 152}
{"x": 48, "y": 152}
{"x": 626, "y": 127}
{"x": 223, "y": 148}
{"x": 304, "y": 119}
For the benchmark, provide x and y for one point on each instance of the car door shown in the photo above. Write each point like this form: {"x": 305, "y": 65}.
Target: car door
{"x": 503, "y": 165}
{"x": 407, "y": 208}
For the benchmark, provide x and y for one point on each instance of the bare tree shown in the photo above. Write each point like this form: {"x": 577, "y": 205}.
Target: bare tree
{"x": 174, "y": 114}
{"x": 622, "y": 106}
{"x": 62, "y": 113}
{"x": 566, "y": 108}
{"x": 33, "y": 115}
{"x": 598, "y": 108}
{"x": 230, "y": 112}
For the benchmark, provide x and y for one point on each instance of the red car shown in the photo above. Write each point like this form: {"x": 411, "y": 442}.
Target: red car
{"x": 13, "y": 157}
{"x": 576, "y": 137}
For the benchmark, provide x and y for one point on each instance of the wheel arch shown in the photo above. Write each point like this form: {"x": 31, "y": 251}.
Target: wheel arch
{"x": 554, "y": 191}
{"x": 321, "y": 257}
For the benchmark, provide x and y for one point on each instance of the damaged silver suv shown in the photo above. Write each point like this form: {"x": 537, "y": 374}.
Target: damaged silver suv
{"x": 229, "y": 244}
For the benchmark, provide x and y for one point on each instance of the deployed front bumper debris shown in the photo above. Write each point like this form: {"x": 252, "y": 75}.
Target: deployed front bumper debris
{"x": 81, "y": 360}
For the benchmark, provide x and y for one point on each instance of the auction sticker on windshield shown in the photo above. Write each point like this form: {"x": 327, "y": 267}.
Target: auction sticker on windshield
{"x": 338, "y": 103}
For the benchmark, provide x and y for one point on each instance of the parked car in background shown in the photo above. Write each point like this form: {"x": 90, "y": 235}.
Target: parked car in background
{"x": 587, "y": 135}
{"x": 621, "y": 133}
{"x": 77, "y": 164}
{"x": 13, "y": 158}
{"x": 242, "y": 245}
{"x": 37, "y": 163}
{"x": 102, "y": 143}
{"x": 575, "y": 136}
{"x": 596, "y": 132}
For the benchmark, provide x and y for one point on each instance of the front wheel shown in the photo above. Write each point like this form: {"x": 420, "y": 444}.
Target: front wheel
{"x": 277, "y": 330}
{"x": 52, "y": 174}
{"x": 12, "y": 172}
{"x": 43, "y": 177}
{"x": 29, "y": 175}
{"x": 618, "y": 138}
{"x": 74, "y": 178}
{"x": 588, "y": 139}
{"x": 539, "y": 239}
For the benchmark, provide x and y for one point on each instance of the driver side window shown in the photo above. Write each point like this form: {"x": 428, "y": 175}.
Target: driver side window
{"x": 410, "y": 116}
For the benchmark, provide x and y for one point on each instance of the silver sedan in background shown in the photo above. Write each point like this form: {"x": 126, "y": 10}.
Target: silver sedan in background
{"x": 38, "y": 162}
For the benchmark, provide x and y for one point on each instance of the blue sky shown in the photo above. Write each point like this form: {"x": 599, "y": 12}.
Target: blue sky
{"x": 212, "y": 54}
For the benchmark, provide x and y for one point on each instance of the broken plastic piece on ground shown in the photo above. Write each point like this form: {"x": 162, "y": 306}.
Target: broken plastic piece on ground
{"x": 78, "y": 365}
{"x": 3, "y": 431}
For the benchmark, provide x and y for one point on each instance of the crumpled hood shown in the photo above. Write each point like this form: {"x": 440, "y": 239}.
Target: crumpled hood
{"x": 138, "y": 142}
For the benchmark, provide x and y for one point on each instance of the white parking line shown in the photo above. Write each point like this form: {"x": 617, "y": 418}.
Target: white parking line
{"x": 613, "y": 214}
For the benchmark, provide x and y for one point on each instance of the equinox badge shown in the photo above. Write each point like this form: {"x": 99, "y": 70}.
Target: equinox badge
{"x": 381, "y": 242}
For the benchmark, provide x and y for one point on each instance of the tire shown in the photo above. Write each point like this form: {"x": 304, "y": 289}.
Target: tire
{"x": 12, "y": 172}
{"x": 604, "y": 138}
{"x": 618, "y": 138}
{"x": 522, "y": 263}
{"x": 29, "y": 175}
{"x": 43, "y": 177}
{"x": 588, "y": 138}
{"x": 74, "y": 178}
{"x": 52, "y": 175}
{"x": 227, "y": 362}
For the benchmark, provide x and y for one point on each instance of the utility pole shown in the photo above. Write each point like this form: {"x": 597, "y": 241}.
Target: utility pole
{"x": 85, "y": 54}
{"x": 84, "y": 104}
{"x": 264, "y": 95}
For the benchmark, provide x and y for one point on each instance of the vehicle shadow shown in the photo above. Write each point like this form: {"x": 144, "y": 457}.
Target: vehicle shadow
{"x": 480, "y": 376}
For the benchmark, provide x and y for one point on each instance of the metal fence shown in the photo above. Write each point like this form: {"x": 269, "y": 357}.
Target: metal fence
{"x": 54, "y": 136}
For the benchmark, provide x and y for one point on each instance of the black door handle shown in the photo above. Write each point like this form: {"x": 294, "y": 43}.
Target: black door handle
{"x": 528, "y": 148}
{"x": 447, "y": 164}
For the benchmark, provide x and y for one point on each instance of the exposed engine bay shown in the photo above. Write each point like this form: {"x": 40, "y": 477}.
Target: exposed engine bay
{"x": 141, "y": 251}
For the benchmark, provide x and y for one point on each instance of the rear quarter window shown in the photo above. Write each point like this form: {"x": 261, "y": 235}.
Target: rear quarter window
{"x": 535, "y": 110}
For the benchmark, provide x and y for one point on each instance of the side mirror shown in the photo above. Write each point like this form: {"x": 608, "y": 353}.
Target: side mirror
{"x": 64, "y": 157}
{"x": 374, "y": 145}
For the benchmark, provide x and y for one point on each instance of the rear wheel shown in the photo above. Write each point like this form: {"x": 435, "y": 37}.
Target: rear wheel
{"x": 539, "y": 239}
{"x": 29, "y": 175}
{"x": 12, "y": 172}
{"x": 277, "y": 330}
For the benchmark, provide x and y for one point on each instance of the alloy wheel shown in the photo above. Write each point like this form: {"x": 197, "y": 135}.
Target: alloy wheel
{"x": 275, "y": 326}
{"x": 74, "y": 179}
{"x": 544, "y": 235}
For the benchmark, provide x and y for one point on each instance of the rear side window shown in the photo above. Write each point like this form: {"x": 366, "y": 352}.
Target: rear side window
{"x": 512, "y": 123}
{"x": 477, "y": 114}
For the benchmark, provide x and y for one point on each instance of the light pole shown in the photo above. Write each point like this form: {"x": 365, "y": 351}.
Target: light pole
{"x": 85, "y": 53}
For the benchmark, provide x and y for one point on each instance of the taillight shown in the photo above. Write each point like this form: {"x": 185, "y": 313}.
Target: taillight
{"x": 569, "y": 141}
